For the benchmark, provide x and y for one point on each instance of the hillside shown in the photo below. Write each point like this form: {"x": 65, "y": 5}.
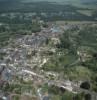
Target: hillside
{"x": 48, "y": 50}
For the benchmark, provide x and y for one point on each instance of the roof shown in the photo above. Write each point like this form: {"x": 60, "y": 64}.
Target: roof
{"x": 46, "y": 98}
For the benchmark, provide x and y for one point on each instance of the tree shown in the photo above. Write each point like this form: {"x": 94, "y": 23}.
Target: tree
{"x": 78, "y": 96}
{"x": 67, "y": 96}
{"x": 65, "y": 40}
{"x": 87, "y": 97}
{"x": 85, "y": 85}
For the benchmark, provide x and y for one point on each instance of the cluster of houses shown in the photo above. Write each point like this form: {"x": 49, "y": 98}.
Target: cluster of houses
{"x": 23, "y": 56}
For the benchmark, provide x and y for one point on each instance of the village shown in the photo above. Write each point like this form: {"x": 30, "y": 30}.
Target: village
{"x": 24, "y": 58}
